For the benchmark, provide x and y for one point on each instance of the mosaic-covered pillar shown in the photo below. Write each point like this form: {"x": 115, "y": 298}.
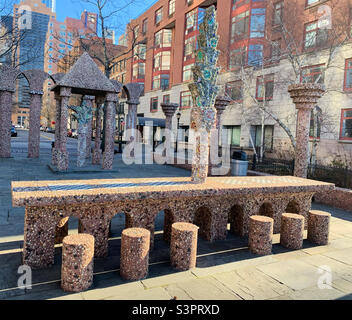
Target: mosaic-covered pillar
{"x": 62, "y": 154}
{"x": 110, "y": 125}
{"x": 133, "y": 91}
{"x": 5, "y": 123}
{"x": 204, "y": 91}
{"x": 305, "y": 96}
{"x": 8, "y": 77}
{"x": 97, "y": 154}
{"x": 89, "y": 102}
{"x": 35, "y": 80}
{"x": 34, "y": 124}
{"x": 169, "y": 110}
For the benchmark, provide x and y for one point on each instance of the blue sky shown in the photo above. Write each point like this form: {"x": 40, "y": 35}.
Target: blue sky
{"x": 73, "y": 8}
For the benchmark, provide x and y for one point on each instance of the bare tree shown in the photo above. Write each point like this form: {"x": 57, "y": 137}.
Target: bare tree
{"x": 287, "y": 54}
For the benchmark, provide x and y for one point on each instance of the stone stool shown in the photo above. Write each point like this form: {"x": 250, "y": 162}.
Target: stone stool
{"x": 135, "y": 243}
{"x": 77, "y": 262}
{"x": 292, "y": 227}
{"x": 260, "y": 235}
{"x": 318, "y": 227}
{"x": 183, "y": 247}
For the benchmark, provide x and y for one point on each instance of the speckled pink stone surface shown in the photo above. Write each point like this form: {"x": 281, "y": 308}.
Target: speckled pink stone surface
{"x": 61, "y": 230}
{"x": 183, "y": 247}
{"x": 208, "y": 205}
{"x": 319, "y": 227}
{"x": 292, "y": 227}
{"x": 134, "y": 253}
{"x": 77, "y": 262}
{"x": 260, "y": 235}
{"x": 5, "y": 123}
{"x": 305, "y": 96}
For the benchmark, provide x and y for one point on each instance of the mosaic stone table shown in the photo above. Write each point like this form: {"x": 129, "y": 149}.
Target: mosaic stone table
{"x": 210, "y": 205}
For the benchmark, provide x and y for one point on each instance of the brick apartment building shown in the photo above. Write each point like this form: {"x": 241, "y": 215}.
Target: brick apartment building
{"x": 265, "y": 45}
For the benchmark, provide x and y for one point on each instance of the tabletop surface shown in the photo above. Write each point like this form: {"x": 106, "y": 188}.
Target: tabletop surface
{"x": 68, "y": 191}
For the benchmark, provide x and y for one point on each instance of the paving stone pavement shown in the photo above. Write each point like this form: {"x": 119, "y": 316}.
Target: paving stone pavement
{"x": 225, "y": 269}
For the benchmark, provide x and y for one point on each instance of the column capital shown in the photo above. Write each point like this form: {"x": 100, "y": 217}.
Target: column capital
{"x": 65, "y": 92}
{"x": 169, "y": 109}
{"x": 221, "y": 103}
{"x": 306, "y": 95}
{"x": 111, "y": 97}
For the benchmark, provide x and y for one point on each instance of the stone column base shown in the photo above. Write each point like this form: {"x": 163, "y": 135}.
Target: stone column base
{"x": 96, "y": 157}
{"x": 108, "y": 158}
{"x": 62, "y": 160}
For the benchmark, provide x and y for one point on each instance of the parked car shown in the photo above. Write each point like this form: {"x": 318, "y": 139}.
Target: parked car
{"x": 50, "y": 130}
{"x": 13, "y": 131}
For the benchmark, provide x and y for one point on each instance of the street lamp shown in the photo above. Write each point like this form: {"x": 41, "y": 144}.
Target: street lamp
{"x": 121, "y": 118}
{"x": 178, "y": 116}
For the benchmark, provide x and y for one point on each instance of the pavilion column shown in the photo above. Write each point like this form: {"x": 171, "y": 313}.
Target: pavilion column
{"x": 169, "y": 110}
{"x": 110, "y": 124}
{"x": 34, "y": 124}
{"x": 220, "y": 105}
{"x": 62, "y": 154}
{"x": 305, "y": 96}
{"x": 57, "y": 129}
{"x": 131, "y": 124}
{"x": 89, "y": 102}
{"x": 97, "y": 154}
{"x": 5, "y": 123}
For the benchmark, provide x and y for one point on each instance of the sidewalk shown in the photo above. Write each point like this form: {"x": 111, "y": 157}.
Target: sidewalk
{"x": 225, "y": 269}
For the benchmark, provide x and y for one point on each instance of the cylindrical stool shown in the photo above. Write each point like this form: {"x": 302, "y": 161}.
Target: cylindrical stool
{"x": 183, "y": 247}
{"x": 260, "y": 234}
{"x": 318, "y": 227}
{"x": 292, "y": 227}
{"x": 77, "y": 262}
{"x": 135, "y": 243}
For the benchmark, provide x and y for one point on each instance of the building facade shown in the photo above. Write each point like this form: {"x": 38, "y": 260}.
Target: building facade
{"x": 265, "y": 45}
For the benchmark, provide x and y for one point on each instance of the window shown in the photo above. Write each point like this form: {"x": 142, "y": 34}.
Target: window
{"x": 191, "y": 20}
{"x": 154, "y": 104}
{"x": 138, "y": 71}
{"x": 144, "y": 26}
{"x": 172, "y": 7}
{"x": 187, "y": 72}
{"x": 311, "y": 2}
{"x": 346, "y": 124}
{"x": 276, "y": 50}
{"x": 240, "y": 25}
{"x": 163, "y": 39}
{"x": 265, "y": 88}
{"x": 278, "y": 13}
{"x": 139, "y": 52}
{"x": 238, "y": 58}
{"x": 185, "y": 100}
{"x": 313, "y": 74}
{"x": 158, "y": 15}
{"x": 257, "y": 23}
{"x": 233, "y": 135}
{"x": 162, "y": 61}
{"x": 255, "y": 54}
{"x": 238, "y": 3}
{"x": 348, "y": 75}
{"x": 234, "y": 90}
{"x": 190, "y": 48}
{"x": 166, "y": 98}
{"x": 256, "y": 133}
{"x": 136, "y": 32}
{"x": 315, "y": 124}
{"x": 313, "y": 36}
